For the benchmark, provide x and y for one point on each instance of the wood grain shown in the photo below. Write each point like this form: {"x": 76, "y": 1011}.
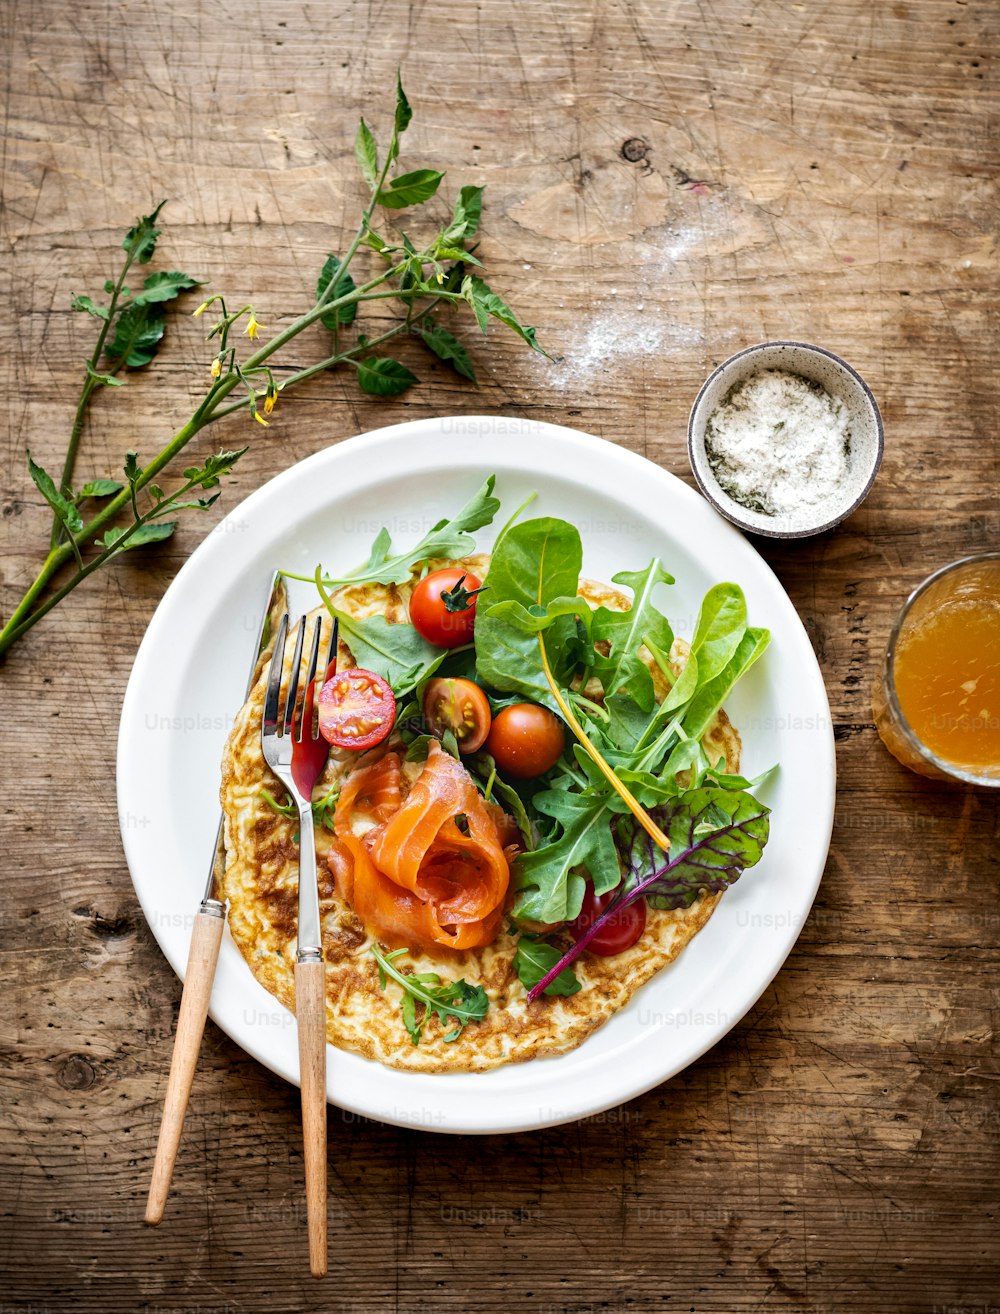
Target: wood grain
{"x": 667, "y": 181}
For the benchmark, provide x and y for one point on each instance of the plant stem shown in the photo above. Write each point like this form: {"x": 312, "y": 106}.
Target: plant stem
{"x": 90, "y": 385}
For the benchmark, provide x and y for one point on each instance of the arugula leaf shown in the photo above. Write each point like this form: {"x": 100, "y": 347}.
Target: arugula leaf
{"x": 534, "y": 958}
{"x": 550, "y": 889}
{"x": 339, "y": 315}
{"x": 453, "y": 1001}
{"x": 447, "y": 348}
{"x": 447, "y": 538}
{"x": 64, "y": 507}
{"x": 138, "y": 332}
{"x": 382, "y": 377}
{"x": 410, "y": 189}
{"x": 626, "y": 631}
{"x": 366, "y": 152}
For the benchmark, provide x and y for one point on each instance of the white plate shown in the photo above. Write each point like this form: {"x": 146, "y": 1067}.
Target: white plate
{"x": 188, "y": 681}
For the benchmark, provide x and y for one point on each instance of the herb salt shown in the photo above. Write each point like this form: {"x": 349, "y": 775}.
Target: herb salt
{"x": 778, "y": 442}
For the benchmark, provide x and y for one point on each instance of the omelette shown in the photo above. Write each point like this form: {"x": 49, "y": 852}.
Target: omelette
{"x": 260, "y": 881}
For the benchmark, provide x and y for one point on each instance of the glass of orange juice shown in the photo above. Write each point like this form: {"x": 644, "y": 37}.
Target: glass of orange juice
{"x": 937, "y": 700}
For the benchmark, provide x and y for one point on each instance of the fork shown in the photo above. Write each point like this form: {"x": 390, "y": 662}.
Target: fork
{"x": 294, "y": 752}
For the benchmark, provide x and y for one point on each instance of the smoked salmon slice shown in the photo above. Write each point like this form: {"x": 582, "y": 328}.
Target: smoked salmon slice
{"x": 426, "y": 870}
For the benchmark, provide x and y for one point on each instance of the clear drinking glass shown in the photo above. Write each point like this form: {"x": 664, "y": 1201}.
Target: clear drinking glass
{"x": 930, "y": 718}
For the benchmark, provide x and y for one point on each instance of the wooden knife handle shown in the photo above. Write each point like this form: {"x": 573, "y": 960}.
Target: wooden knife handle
{"x": 310, "y": 1010}
{"x": 202, "y": 959}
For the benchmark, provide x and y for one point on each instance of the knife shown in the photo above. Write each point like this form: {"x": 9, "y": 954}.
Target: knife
{"x": 202, "y": 959}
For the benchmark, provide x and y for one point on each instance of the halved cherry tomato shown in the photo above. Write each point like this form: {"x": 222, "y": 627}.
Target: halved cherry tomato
{"x": 461, "y": 707}
{"x": 443, "y": 607}
{"x": 356, "y": 709}
{"x": 526, "y": 740}
{"x": 619, "y": 932}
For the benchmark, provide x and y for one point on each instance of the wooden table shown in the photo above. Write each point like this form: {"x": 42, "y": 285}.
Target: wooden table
{"x": 666, "y": 183}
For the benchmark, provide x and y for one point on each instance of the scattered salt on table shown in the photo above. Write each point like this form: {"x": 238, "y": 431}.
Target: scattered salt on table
{"x": 778, "y": 442}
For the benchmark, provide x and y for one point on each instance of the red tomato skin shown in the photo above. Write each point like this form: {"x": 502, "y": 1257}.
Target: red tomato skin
{"x": 454, "y": 695}
{"x": 357, "y": 709}
{"x": 526, "y": 740}
{"x": 619, "y": 933}
{"x": 429, "y": 613}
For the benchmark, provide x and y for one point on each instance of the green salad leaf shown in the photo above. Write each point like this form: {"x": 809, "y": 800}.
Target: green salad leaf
{"x": 534, "y": 959}
{"x": 456, "y": 1003}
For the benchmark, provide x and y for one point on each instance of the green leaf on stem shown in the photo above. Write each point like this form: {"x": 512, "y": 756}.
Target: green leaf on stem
{"x": 465, "y": 219}
{"x": 106, "y": 380}
{"x": 138, "y": 332}
{"x": 486, "y": 304}
{"x": 64, "y": 507}
{"x": 339, "y": 315}
{"x": 366, "y": 152}
{"x": 403, "y": 112}
{"x": 85, "y": 303}
{"x": 447, "y": 348}
{"x": 140, "y": 240}
{"x": 410, "y": 189}
{"x": 383, "y": 377}
{"x": 164, "y": 286}
{"x": 101, "y": 488}
{"x": 144, "y": 535}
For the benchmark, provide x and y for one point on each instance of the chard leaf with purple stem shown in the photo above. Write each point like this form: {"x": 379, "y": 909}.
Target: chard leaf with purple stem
{"x": 715, "y": 835}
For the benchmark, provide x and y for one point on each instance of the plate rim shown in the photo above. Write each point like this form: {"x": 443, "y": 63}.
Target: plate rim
{"x": 412, "y": 432}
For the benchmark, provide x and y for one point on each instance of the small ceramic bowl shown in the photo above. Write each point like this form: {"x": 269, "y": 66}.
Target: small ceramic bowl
{"x": 865, "y": 438}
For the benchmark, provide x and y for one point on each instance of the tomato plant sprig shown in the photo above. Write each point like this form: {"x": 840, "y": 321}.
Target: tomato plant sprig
{"x": 87, "y": 527}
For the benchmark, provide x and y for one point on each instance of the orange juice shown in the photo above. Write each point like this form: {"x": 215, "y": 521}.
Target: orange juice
{"x": 939, "y": 708}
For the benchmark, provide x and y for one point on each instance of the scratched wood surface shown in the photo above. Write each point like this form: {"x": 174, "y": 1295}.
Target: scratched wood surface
{"x": 667, "y": 181}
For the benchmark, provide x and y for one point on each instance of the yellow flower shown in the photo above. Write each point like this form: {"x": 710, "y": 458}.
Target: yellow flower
{"x": 253, "y": 325}
{"x": 260, "y": 419}
{"x": 201, "y": 309}
{"x": 216, "y": 367}
{"x": 270, "y": 399}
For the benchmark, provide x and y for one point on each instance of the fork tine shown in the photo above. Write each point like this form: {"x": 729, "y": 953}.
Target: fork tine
{"x": 331, "y": 657}
{"x": 293, "y": 681}
{"x": 274, "y": 678}
{"x": 307, "y": 702}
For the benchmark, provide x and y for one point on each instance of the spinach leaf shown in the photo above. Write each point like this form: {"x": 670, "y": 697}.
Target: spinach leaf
{"x": 711, "y": 695}
{"x": 533, "y": 960}
{"x": 535, "y": 563}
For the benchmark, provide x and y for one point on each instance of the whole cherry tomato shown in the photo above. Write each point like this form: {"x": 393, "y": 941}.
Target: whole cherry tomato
{"x": 619, "y": 932}
{"x": 526, "y": 740}
{"x": 443, "y": 607}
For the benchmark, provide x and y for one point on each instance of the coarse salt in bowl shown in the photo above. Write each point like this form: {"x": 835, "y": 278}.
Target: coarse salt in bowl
{"x": 785, "y": 439}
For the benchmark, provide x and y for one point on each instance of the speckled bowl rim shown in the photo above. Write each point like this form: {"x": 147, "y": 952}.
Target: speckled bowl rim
{"x": 709, "y": 490}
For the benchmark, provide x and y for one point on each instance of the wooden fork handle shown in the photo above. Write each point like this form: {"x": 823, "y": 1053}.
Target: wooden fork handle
{"x": 202, "y": 959}
{"x": 310, "y": 1011}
